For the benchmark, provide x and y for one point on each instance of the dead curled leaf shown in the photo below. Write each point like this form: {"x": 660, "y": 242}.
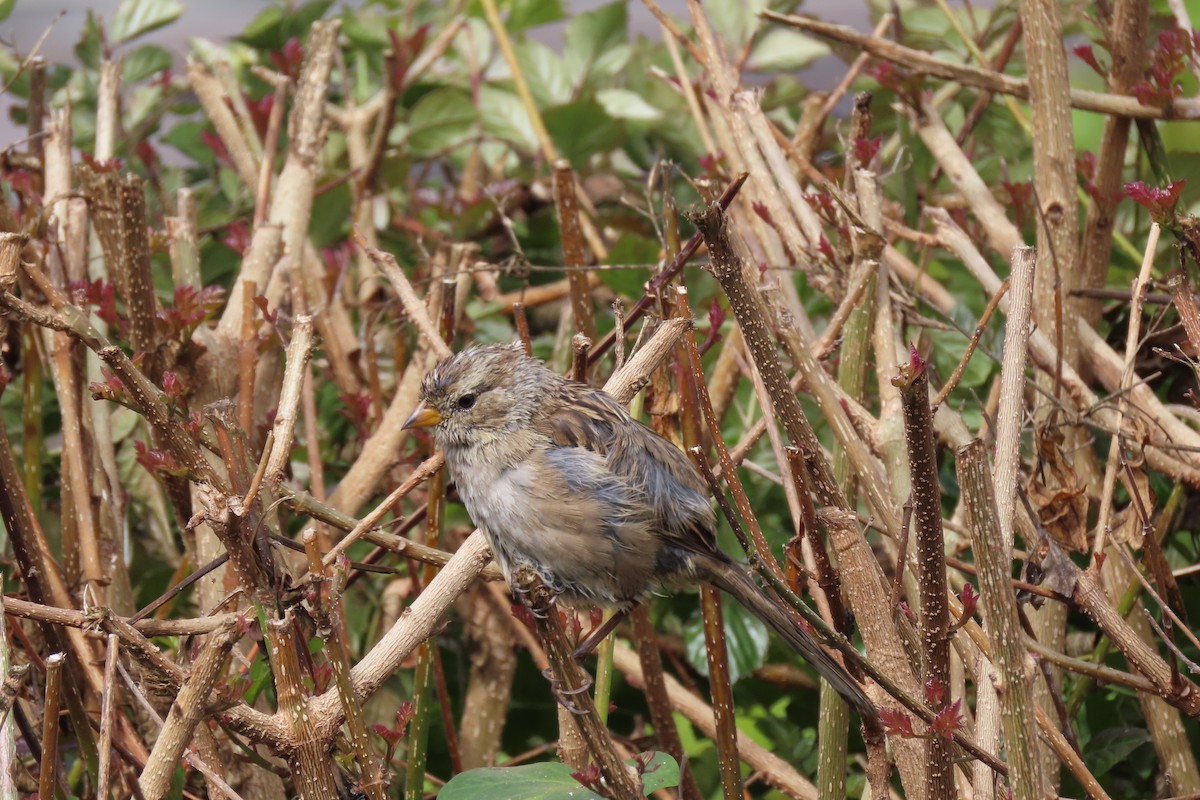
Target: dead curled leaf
{"x": 1128, "y": 527}
{"x": 1062, "y": 513}
{"x": 1060, "y": 496}
{"x": 1050, "y": 567}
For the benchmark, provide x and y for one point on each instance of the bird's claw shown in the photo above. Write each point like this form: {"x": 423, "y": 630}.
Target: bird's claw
{"x": 522, "y": 595}
{"x": 564, "y": 696}
{"x": 570, "y": 706}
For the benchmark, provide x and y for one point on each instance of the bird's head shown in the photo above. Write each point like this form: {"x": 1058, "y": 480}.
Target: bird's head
{"x": 480, "y": 394}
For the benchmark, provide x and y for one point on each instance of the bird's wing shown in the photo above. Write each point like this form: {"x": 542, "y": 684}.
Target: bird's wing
{"x": 585, "y": 419}
{"x": 650, "y": 464}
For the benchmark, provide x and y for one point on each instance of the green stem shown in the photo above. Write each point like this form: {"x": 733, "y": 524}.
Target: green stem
{"x": 834, "y": 719}
{"x": 424, "y": 693}
{"x": 31, "y": 417}
{"x": 604, "y": 672}
{"x": 604, "y": 653}
{"x": 418, "y": 728}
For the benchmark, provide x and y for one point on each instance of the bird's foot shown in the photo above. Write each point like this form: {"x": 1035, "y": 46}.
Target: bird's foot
{"x": 599, "y": 634}
{"x": 523, "y": 596}
{"x": 566, "y": 697}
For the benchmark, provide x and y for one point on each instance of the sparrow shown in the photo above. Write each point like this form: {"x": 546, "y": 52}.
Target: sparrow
{"x": 562, "y": 480}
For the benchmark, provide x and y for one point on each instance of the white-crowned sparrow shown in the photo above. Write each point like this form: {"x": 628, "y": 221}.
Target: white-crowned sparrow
{"x": 561, "y": 478}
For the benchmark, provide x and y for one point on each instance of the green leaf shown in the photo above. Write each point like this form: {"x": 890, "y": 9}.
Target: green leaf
{"x": 185, "y": 137}
{"x": 87, "y": 49}
{"x": 504, "y": 117}
{"x": 528, "y": 782}
{"x": 613, "y": 60}
{"x": 440, "y": 120}
{"x": 659, "y": 771}
{"x": 474, "y": 41}
{"x": 300, "y": 20}
{"x": 581, "y": 129}
{"x": 330, "y": 211}
{"x": 143, "y": 104}
{"x": 592, "y": 35}
{"x": 550, "y": 781}
{"x": 8, "y": 68}
{"x": 630, "y": 249}
{"x": 948, "y": 349}
{"x": 624, "y": 104}
{"x": 365, "y": 30}
{"x": 231, "y": 185}
{"x": 271, "y": 29}
{"x": 931, "y": 30}
{"x": 784, "y": 49}
{"x": 1112, "y": 746}
{"x": 144, "y": 62}
{"x": 745, "y": 640}
{"x": 544, "y": 72}
{"x": 136, "y": 17}
{"x": 178, "y": 781}
{"x": 264, "y": 30}
{"x": 525, "y": 14}
{"x": 6, "y": 8}
{"x": 735, "y": 20}
{"x": 260, "y": 679}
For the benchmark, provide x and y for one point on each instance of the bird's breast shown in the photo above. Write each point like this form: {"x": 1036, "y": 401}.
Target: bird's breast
{"x": 491, "y": 484}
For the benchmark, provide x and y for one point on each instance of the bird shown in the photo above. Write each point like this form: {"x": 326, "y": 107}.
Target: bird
{"x": 564, "y": 481}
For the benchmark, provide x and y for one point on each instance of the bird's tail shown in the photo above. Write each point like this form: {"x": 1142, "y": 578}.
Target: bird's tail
{"x": 734, "y": 580}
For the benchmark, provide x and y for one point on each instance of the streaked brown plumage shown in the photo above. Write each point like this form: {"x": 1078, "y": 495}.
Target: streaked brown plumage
{"x": 561, "y": 478}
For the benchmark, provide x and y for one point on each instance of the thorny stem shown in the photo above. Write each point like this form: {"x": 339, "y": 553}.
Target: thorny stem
{"x": 247, "y": 357}
{"x": 989, "y": 80}
{"x": 107, "y": 710}
{"x": 913, "y": 382}
{"x": 48, "y": 773}
{"x": 284, "y": 430}
{"x": 694, "y": 397}
{"x": 657, "y": 698}
{"x": 835, "y": 640}
{"x": 332, "y": 628}
{"x": 423, "y": 687}
{"x": 901, "y": 555}
{"x": 186, "y": 712}
{"x": 14, "y": 682}
{"x": 695, "y": 371}
{"x": 574, "y": 248}
{"x": 728, "y": 268}
{"x": 309, "y": 756}
{"x": 571, "y": 684}
{"x": 1003, "y": 626}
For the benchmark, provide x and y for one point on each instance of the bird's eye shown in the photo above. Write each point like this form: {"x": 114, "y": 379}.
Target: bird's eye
{"x": 466, "y": 401}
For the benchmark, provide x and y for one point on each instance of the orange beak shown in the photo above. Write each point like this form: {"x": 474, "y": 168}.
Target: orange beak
{"x": 423, "y": 416}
